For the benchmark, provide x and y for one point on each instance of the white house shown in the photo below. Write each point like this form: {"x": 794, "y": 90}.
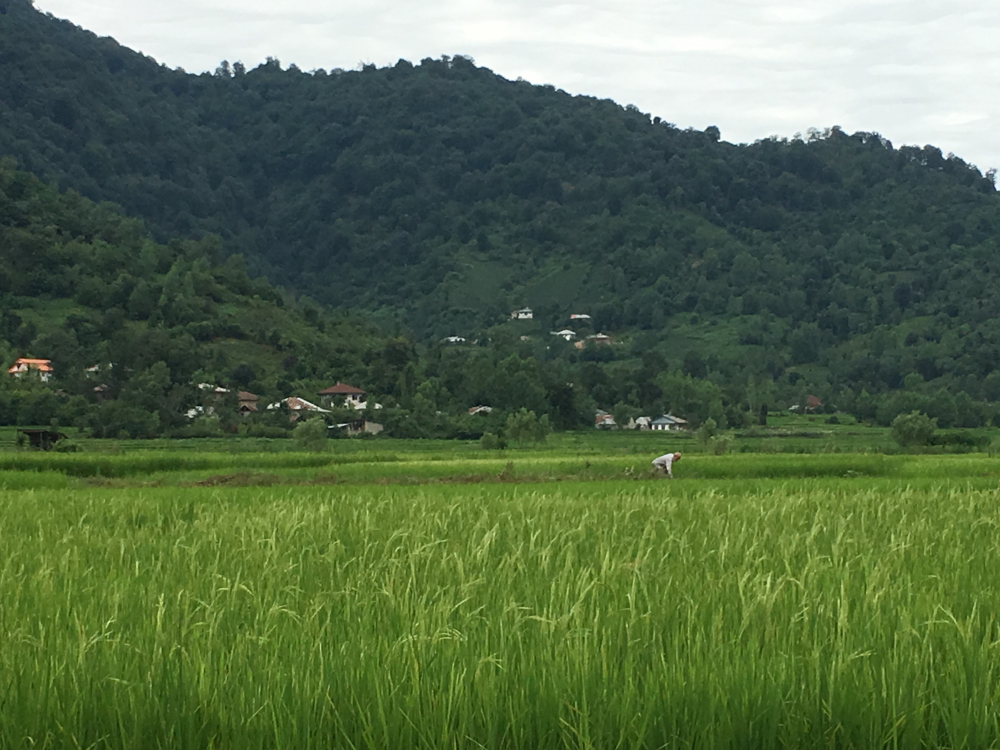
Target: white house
{"x": 668, "y": 423}
{"x": 524, "y": 313}
{"x": 579, "y": 316}
{"x": 565, "y": 334}
{"x": 453, "y": 340}
{"x": 297, "y": 407}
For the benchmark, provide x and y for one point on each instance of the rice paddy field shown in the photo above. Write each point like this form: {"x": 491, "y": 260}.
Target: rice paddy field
{"x": 384, "y": 595}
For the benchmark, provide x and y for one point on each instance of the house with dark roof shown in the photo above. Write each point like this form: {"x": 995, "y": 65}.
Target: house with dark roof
{"x": 668, "y": 423}
{"x": 343, "y": 394}
{"x": 247, "y": 402}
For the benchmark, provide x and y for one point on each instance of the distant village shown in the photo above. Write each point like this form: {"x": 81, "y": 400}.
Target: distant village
{"x": 339, "y": 397}
{"x": 333, "y": 401}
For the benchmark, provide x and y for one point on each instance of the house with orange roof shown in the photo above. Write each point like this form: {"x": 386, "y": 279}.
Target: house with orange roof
{"x": 24, "y": 365}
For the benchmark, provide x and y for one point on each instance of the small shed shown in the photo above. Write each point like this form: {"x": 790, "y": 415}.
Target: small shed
{"x": 42, "y": 440}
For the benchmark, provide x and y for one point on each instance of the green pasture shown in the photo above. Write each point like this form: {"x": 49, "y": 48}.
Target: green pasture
{"x": 382, "y": 465}
{"x": 786, "y": 433}
{"x": 371, "y": 596}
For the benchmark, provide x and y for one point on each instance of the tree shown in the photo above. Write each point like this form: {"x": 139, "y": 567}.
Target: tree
{"x": 524, "y": 427}
{"x": 913, "y": 429}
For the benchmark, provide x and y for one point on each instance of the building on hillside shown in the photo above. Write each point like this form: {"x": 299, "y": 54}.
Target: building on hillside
{"x": 525, "y": 313}
{"x": 598, "y": 339}
{"x": 604, "y": 421}
{"x": 343, "y": 394}
{"x": 24, "y": 365}
{"x": 480, "y": 409}
{"x": 813, "y": 404}
{"x": 298, "y": 408}
{"x": 453, "y": 340}
{"x": 668, "y": 423}
{"x": 565, "y": 334}
{"x": 247, "y": 402}
{"x": 359, "y": 427}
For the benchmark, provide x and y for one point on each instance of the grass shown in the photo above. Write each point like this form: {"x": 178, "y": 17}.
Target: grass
{"x": 378, "y": 597}
{"x": 763, "y": 614}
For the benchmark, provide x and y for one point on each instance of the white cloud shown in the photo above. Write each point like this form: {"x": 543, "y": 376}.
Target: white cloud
{"x": 917, "y": 71}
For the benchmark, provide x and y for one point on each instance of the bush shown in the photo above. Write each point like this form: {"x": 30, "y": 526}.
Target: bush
{"x": 310, "y": 435}
{"x": 708, "y": 430}
{"x": 959, "y": 440}
{"x": 720, "y": 444}
{"x": 491, "y": 442}
{"x": 913, "y": 429}
{"x": 524, "y": 426}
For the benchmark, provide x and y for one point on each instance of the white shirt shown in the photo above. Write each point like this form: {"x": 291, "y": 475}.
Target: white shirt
{"x": 666, "y": 461}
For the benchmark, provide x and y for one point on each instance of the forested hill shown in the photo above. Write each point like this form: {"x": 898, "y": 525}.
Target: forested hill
{"x": 132, "y": 326}
{"x": 442, "y": 195}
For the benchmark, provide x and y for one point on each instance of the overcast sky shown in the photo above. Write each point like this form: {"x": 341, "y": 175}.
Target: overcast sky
{"x": 916, "y": 71}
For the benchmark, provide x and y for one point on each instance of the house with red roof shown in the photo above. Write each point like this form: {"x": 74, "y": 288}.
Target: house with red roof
{"x": 23, "y": 366}
{"x": 343, "y": 394}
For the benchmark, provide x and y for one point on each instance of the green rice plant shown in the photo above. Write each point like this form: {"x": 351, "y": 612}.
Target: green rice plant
{"x": 770, "y": 613}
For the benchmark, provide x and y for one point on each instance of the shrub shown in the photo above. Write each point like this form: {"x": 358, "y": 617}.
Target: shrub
{"x": 720, "y": 444}
{"x": 491, "y": 442}
{"x": 310, "y": 435}
{"x": 524, "y": 426}
{"x": 708, "y": 430}
{"x": 913, "y": 429}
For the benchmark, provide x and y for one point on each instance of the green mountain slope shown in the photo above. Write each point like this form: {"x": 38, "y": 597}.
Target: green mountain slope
{"x": 443, "y": 196}
{"x": 86, "y": 288}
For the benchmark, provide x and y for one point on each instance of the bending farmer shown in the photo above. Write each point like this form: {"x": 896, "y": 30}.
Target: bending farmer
{"x": 662, "y": 466}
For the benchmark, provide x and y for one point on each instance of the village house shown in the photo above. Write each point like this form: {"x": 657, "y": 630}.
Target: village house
{"x": 453, "y": 340}
{"x": 565, "y": 334}
{"x": 579, "y": 316}
{"x": 668, "y": 423}
{"x": 343, "y": 394}
{"x": 813, "y": 404}
{"x": 524, "y": 313}
{"x": 359, "y": 427}
{"x": 604, "y": 421}
{"x": 298, "y": 408}
{"x": 247, "y": 402}
{"x": 24, "y": 365}
{"x": 480, "y": 409}
{"x": 598, "y": 339}
{"x": 643, "y": 423}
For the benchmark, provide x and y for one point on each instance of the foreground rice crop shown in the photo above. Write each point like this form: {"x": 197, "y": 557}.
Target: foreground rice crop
{"x": 762, "y": 613}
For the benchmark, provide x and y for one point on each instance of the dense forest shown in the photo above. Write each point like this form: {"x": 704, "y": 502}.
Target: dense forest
{"x": 430, "y": 200}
